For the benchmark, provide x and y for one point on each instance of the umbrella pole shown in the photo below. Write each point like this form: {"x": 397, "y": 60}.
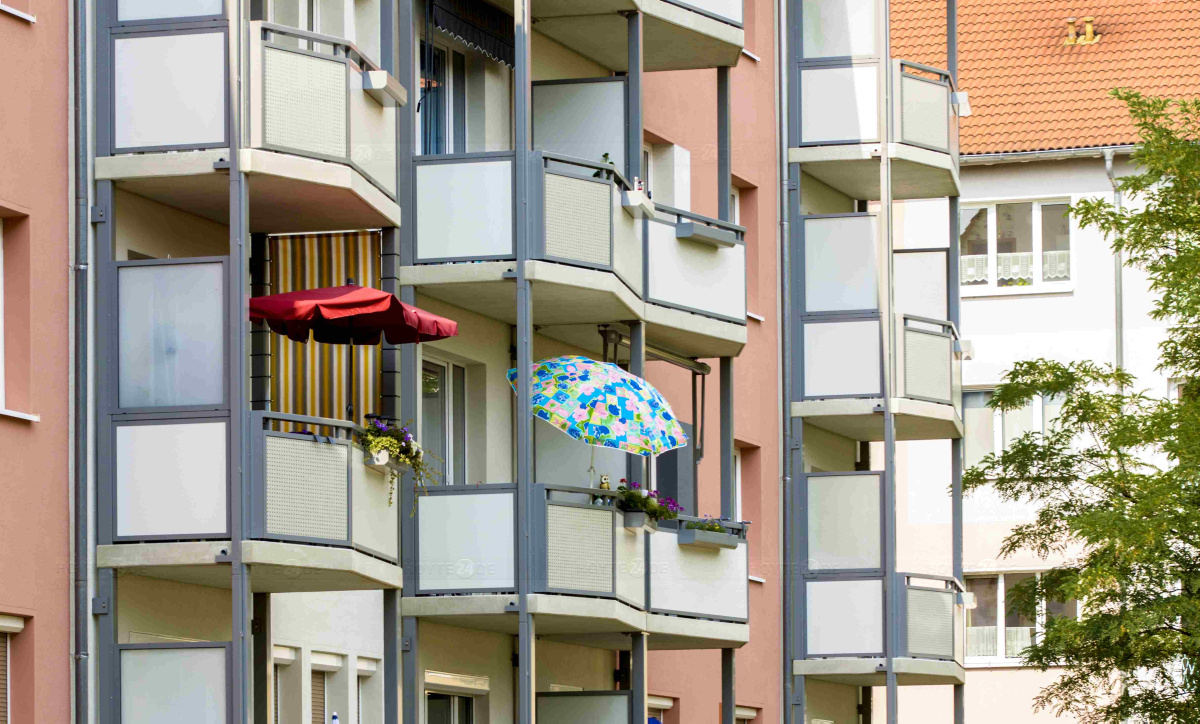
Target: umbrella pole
{"x": 592, "y": 468}
{"x": 350, "y": 386}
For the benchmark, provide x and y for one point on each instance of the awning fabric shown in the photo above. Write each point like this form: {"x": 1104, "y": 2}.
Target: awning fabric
{"x": 349, "y": 314}
{"x": 481, "y": 26}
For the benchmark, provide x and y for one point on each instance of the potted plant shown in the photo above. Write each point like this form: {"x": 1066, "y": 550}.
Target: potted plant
{"x": 707, "y": 533}
{"x": 391, "y": 449}
{"x": 643, "y": 509}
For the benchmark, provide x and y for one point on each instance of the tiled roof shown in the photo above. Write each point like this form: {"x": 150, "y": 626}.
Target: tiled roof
{"x": 1028, "y": 91}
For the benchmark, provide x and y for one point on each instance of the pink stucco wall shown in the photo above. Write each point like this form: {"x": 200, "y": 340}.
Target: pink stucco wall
{"x": 680, "y": 108}
{"x": 34, "y": 484}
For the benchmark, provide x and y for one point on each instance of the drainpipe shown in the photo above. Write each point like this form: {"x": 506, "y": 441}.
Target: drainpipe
{"x": 782, "y": 326}
{"x": 82, "y": 231}
{"x": 1118, "y": 266}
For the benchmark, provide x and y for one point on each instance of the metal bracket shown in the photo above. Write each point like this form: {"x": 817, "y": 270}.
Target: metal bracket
{"x": 99, "y": 214}
{"x": 224, "y": 557}
{"x": 512, "y": 607}
{"x": 794, "y": 443}
{"x": 221, "y": 165}
{"x": 99, "y": 606}
{"x": 509, "y": 274}
{"x": 791, "y": 185}
{"x": 256, "y": 627}
{"x": 406, "y": 644}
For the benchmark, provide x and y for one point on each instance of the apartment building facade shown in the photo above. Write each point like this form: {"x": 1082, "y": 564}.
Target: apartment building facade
{"x": 523, "y": 170}
{"x": 1034, "y": 284}
{"x": 36, "y": 280}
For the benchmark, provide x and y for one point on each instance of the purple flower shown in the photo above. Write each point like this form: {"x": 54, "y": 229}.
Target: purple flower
{"x": 654, "y": 494}
{"x": 407, "y": 437}
{"x": 635, "y": 486}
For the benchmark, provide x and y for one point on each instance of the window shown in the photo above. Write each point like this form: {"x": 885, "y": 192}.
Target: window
{"x": 444, "y": 419}
{"x": 735, "y": 205}
{"x": 441, "y": 110}
{"x": 655, "y": 716}
{"x": 449, "y": 709}
{"x": 1014, "y": 246}
{"x": 737, "y": 485}
{"x": 994, "y": 630}
{"x": 988, "y": 431}
{"x": 318, "y": 697}
{"x": 648, "y": 168}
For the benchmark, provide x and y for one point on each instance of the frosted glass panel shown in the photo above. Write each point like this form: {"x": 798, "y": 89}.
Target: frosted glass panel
{"x": 172, "y": 336}
{"x": 843, "y": 522}
{"x": 844, "y": 617}
{"x": 171, "y": 479}
{"x": 181, "y": 686}
{"x": 584, "y": 120}
{"x": 839, "y": 104}
{"x": 835, "y": 28}
{"x": 920, "y": 283}
{"x": 841, "y": 358}
{"x": 839, "y": 264}
{"x": 169, "y": 90}
{"x": 154, "y": 9}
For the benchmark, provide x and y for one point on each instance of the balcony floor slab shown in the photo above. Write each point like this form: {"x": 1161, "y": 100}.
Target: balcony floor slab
{"x": 862, "y": 419}
{"x": 853, "y": 169}
{"x": 274, "y": 567}
{"x": 872, "y": 671}
{"x": 596, "y": 622}
{"x": 287, "y": 193}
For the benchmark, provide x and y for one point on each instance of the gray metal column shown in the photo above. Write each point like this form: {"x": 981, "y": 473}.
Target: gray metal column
{"x": 724, "y": 139}
{"x": 728, "y": 692}
{"x": 638, "y": 677}
{"x": 635, "y": 465}
{"x": 264, "y": 659}
{"x": 260, "y": 334}
{"x": 389, "y": 281}
{"x": 728, "y": 493}
{"x": 633, "y": 124}
{"x": 954, "y": 308}
{"x": 104, "y": 609}
{"x": 523, "y": 429}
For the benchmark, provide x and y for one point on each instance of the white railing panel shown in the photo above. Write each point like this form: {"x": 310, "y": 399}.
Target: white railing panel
{"x": 183, "y": 686}
{"x": 920, "y": 286}
{"x": 842, "y": 359}
{"x": 697, "y": 276}
{"x": 627, "y": 244}
{"x": 844, "y": 618}
{"x": 839, "y": 104}
{"x": 924, "y": 119}
{"x": 304, "y": 103}
{"x": 698, "y": 581}
{"x": 578, "y": 219}
{"x": 373, "y": 519}
{"x": 171, "y": 479}
{"x": 131, "y": 10}
{"x": 466, "y": 542}
{"x": 844, "y": 527}
{"x": 583, "y": 120}
{"x": 464, "y": 209}
{"x": 306, "y": 485}
{"x": 631, "y": 563}
{"x": 372, "y": 135}
{"x": 594, "y": 707}
{"x": 169, "y": 90}
{"x": 579, "y": 548}
{"x": 838, "y": 28}
{"x": 931, "y": 623}
{"x": 927, "y": 366}
{"x": 840, "y": 264}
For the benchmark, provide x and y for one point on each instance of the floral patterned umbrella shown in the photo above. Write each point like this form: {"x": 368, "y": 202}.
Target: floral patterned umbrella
{"x": 603, "y": 405}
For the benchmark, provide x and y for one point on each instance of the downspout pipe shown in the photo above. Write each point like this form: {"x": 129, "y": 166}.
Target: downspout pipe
{"x": 783, "y": 324}
{"x": 1118, "y": 267}
{"x": 82, "y": 232}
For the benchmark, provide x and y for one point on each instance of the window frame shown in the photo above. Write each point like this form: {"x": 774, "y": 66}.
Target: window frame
{"x": 1002, "y": 659}
{"x": 450, "y": 419}
{"x": 448, "y": 123}
{"x": 1039, "y": 285}
{"x": 454, "y": 697}
{"x": 1037, "y": 411}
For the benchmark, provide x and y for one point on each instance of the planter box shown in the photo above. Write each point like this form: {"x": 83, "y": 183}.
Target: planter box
{"x": 707, "y": 539}
{"x": 636, "y": 521}
{"x": 636, "y": 204}
{"x": 384, "y": 464}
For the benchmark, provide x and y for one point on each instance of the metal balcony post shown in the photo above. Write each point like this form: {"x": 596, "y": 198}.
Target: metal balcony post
{"x": 633, "y": 125}
{"x": 724, "y": 139}
{"x": 260, "y": 631}
{"x": 638, "y": 676}
{"x": 636, "y": 469}
{"x": 260, "y": 335}
{"x": 728, "y": 510}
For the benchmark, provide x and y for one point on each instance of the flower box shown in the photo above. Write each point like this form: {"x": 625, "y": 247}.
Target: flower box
{"x": 707, "y": 539}
{"x": 381, "y": 462}
{"x": 638, "y": 520}
{"x": 637, "y": 204}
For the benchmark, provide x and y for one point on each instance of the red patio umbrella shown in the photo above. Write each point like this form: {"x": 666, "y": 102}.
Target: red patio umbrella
{"x": 351, "y": 315}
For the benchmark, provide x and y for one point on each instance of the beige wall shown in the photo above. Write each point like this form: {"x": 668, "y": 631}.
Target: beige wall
{"x": 993, "y": 696}
{"x": 837, "y": 703}
{"x": 149, "y": 608}
{"x": 161, "y": 231}
{"x": 825, "y": 451}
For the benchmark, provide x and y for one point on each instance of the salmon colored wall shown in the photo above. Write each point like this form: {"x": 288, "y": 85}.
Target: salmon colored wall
{"x": 680, "y": 108}
{"x": 34, "y": 485}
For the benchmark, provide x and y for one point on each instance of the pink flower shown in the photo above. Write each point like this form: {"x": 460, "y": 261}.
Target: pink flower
{"x": 580, "y": 414}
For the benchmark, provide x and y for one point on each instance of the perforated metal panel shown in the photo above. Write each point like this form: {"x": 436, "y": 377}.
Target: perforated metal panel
{"x": 926, "y": 366}
{"x": 306, "y": 488}
{"x": 578, "y": 219}
{"x": 304, "y": 103}
{"x": 924, "y": 115}
{"x": 579, "y": 544}
{"x": 930, "y": 623}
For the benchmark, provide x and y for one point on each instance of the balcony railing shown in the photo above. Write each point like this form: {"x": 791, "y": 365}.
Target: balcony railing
{"x": 587, "y": 215}
{"x": 316, "y": 96}
{"x": 466, "y": 544}
{"x": 839, "y": 104}
{"x": 929, "y": 368}
{"x": 727, "y": 11}
{"x": 934, "y": 616}
{"x": 312, "y": 484}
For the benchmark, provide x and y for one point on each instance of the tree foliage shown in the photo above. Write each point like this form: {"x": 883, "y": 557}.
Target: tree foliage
{"x": 1116, "y": 478}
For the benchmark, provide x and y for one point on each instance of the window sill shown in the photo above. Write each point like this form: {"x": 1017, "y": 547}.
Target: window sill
{"x": 27, "y": 416}
{"x": 975, "y": 292}
{"x": 17, "y": 13}
{"x": 993, "y": 663}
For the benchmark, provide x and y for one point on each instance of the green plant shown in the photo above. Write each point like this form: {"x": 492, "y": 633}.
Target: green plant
{"x": 632, "y": 498}
{"x": 398, "y": 442}
{"x": 705, "y": 523}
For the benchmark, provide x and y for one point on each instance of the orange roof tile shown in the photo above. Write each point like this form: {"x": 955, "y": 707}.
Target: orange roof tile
{"x": 1028, "y": 91}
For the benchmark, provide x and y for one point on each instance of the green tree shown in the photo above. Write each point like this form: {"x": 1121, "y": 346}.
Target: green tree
{"x": 1116, "y": 479}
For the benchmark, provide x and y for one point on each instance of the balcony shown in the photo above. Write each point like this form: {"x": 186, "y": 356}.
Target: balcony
{"x": 844, "y": 632}
{"x": 841, "y": 140}
{"x": 845, "y": 349}
{"x": 592, "y": 575}
{"x": 594, "y": 260}
{"x": 320, "y": 126}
